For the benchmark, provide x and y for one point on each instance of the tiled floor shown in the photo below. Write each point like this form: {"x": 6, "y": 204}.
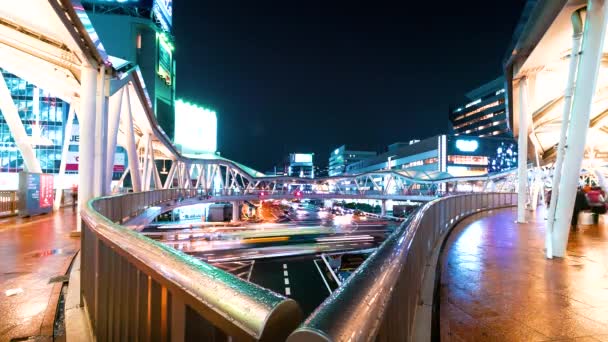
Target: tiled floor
{"x": 32, "y": 250}
{"x": 496, "y": 284}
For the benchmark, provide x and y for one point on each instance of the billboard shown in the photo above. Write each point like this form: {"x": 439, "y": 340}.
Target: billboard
{"x": 71, "y": 163}
{"x": 163, "y": 11}
{"x": 302, "y": 157}
{"x": 35, "y": 193}
{"x": 165, "y": 58}
{"x": 195, "y": 128}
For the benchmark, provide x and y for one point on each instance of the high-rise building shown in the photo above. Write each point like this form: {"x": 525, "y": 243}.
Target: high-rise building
{"x": 140, "y": 31}
{"x": 340, "y": 157}
{"x": 484, "y": 113}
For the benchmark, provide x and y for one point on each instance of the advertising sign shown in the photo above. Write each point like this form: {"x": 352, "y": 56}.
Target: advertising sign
{"x": 165, "y": 60}
{"x": 46, "y": 191}
{"x": 35, "y": 193}
{"x": 71, "y": 163}
{"x": 163, "y": 10}
{"x": 195, "y": 128}
{"x": 301, "y": 158}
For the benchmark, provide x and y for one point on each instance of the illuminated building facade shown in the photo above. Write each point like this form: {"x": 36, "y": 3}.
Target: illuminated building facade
{"x": 457, "y": 155}
{"x": 340, "y": 157}
{"x": 301, "y": 165}
{"x": 44, "y": 117}
{"x": 140, "y": 31}
{"x": 484, "y": 113}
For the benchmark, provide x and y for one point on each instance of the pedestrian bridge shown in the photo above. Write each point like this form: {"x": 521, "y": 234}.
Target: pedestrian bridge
{"x": 168, "y": 293}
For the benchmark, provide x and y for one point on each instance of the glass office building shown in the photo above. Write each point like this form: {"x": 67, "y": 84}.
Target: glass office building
{"x": 43, "y": 116}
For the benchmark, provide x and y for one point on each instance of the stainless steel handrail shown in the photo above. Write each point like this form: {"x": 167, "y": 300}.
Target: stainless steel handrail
{"x": 379, "y": 300}
{"x": 167, "y": 293}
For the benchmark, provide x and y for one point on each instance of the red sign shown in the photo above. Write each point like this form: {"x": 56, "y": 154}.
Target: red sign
{"x": 46, "y": 191}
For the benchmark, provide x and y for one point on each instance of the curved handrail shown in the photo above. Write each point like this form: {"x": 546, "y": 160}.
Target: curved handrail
{"x": 387, "y": 285}
{"x": 237, "y": 307}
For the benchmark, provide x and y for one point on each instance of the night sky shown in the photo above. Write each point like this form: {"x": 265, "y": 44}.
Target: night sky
{"x": 308, "y": 76}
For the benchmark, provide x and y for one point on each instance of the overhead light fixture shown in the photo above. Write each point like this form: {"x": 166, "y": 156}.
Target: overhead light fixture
{"x": 164, "y": 170}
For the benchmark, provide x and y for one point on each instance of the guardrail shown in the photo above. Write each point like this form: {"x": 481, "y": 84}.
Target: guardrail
{"x": 379, "y": 301}
{"x": 8, "y": 203}
{"x": 136, "y": 288}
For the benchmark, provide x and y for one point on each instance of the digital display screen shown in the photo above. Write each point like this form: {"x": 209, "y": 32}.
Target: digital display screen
{"x": 195, "y": 128}
{"x": 163, "y": 10}
{"x": 35, "y": 193}
{"x": 302, "y": 157}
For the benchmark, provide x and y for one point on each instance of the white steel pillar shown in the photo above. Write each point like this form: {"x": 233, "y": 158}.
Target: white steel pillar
{"x": 101, "y": 135}
{"x": 64, "y": 156}
{"x": 11, "y": 115}
{"x": 86, "y": 125}
{"x": 577, "y": 37}
{"x": 588, "y": 69}
{"x": 383, "y": 208}
{"x": 116, "y": 104}
{"x": 170, "y": 175}
{"x": 132, "y": 147}
{"x": 522, "y": 153}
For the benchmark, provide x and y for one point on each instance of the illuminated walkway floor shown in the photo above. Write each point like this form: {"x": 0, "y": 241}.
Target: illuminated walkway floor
{"x": 33, "y": 250}
{"x": 496, "y": 284}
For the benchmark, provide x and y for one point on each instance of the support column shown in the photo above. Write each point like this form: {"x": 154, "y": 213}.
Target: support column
{"x": 64, "y": 156}
{"x": 170, "y": 175}
{"x": 236, "y": 211}
{"x": 101, "y": 136}
{"x": 86, "y": 125}
{"x": 11, "y": 115}
{"x": 588, "y": 69}
{"x": 116, "y": 104}
{"x": 383, "y": 208}
{"x": 577, "y": 38}
{"x": 522, "y": 153}
{"x": 132, "y": 147}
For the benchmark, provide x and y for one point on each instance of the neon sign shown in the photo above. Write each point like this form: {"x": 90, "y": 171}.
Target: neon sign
{"x": 467, "y": 145}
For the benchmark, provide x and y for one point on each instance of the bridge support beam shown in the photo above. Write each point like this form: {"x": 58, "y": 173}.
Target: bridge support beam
{"x": 86, "y": 125}
{"x": 11, "y": 115}
{"x": 64, "y": 156}
{"x": 586, "y": 82}
{"x": 383, "y": 208}
{"x": 522, "y": 154}
{"x": 236, "y": 211}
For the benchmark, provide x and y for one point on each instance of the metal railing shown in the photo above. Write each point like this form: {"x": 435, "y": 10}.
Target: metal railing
{"x": 8, "y": 203}
{"x": 134, "y": 288}
{"x": 379, "y": 301}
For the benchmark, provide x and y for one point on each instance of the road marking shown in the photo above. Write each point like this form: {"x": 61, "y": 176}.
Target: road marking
{"x": 286, "y": 281}
{"x": 286, "y": 274}
{"x": 287, "y": 291}
{"x": 284, "y": 266}
{"x": 322, "y": 276}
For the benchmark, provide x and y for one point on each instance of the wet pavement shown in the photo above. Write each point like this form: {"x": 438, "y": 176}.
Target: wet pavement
{"x": 496, "y": 284}
{"x": 32, "y": 251}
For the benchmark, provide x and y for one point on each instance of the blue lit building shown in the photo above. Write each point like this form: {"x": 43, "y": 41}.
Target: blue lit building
{"x": 458, "y": 155}
{"x": 340, "y": 157}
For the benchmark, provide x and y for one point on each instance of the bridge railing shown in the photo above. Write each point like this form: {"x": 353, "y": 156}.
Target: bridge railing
{"x": 137, "y": 288}
{"x": 8, "y": 203}
{"x": 380, "y": 299}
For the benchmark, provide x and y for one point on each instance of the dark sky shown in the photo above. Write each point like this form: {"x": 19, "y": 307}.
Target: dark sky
{"x": 308, "y": 76}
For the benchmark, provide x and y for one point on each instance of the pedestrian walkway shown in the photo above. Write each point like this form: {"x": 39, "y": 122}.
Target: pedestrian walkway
{"x": 32, "y": 251}
{"x": 496, "y": 284}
